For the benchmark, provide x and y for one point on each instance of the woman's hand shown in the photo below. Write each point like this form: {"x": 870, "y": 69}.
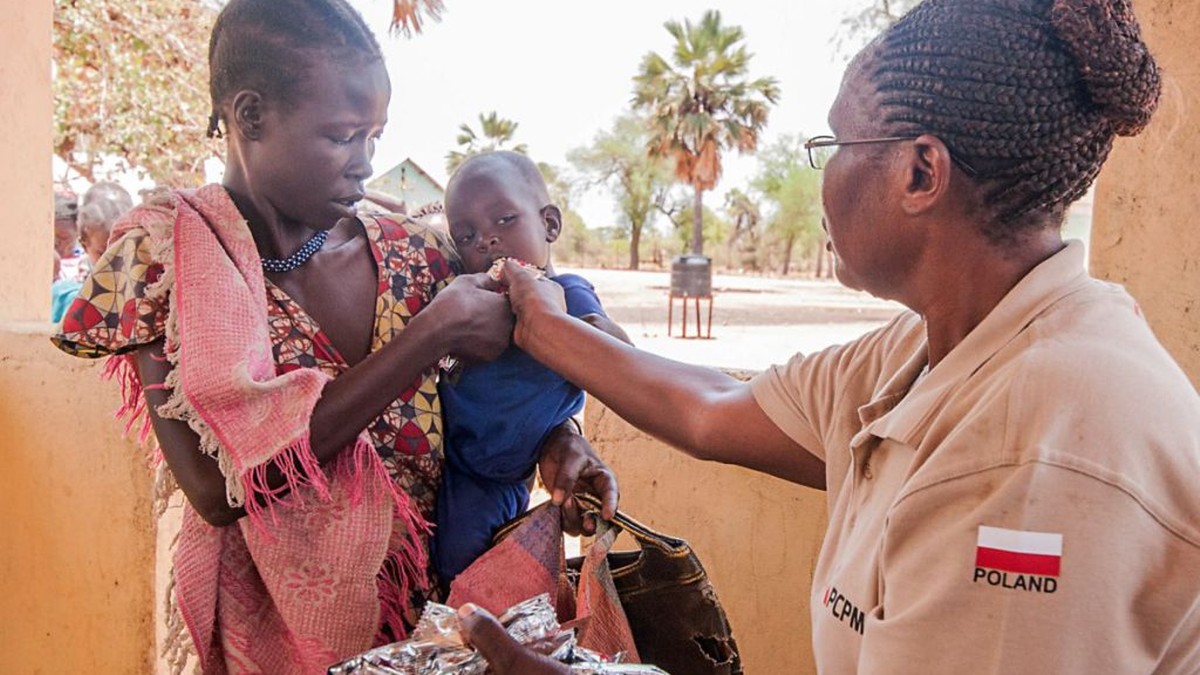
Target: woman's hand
{"x": 504, "y": 655}
{"x": 529, "y": 296}
{"x": 568, "y": 465}
{"x": 475, "y": 321}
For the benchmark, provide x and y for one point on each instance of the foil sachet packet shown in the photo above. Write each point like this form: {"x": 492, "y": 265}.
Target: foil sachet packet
{"x": 438, "y": 648}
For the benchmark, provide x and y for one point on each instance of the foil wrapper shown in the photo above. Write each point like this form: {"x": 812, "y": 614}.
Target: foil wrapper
{"x": 438, "y": 648}
{"x": 496, "y": 271}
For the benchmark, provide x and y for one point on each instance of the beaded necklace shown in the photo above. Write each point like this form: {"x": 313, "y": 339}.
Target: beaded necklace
{"x": 298, "y": 258}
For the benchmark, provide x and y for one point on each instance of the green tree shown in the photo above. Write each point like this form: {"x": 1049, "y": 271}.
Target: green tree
{"x": 862, "y": 26}
{"x": 558, "y": 186}
{"x": 701, "y": 103}
{"x": 641, "y": 184}
{"x": 715, "y": 229}
{"x": 495, "y": 133}
{"x": 744, "y": 216}
{"x": 793, "y": 189}
{"x": 575, "y": 242}
{"x": 130, "y": 84}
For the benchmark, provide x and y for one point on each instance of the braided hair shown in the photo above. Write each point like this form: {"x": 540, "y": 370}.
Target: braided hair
{"x": 267, "y": 45}
{"x": 1028, "y": 93}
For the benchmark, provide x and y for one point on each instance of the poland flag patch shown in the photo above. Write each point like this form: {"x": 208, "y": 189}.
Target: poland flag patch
{"x": 1019, "y": 551}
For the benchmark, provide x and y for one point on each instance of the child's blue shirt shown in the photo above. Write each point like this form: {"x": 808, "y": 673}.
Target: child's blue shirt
{"x": 496, "y": 416}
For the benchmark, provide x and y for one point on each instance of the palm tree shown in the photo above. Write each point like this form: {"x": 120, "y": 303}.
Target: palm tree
{"x": 701, "y": 103}
{"x": 495, "y": 133}
{"x": 408, "y": 15}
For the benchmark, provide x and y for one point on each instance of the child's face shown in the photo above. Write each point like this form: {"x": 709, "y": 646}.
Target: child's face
{"x": 494, "y": 214}
{"x": 310, "y": 159}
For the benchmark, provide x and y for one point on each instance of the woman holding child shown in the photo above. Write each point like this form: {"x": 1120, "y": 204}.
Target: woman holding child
{"x": 1010, "y": 466}
{"x": 284, "y": 349}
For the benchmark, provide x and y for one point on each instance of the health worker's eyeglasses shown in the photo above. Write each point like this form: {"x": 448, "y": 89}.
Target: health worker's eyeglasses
{"x": 821, "y": 148}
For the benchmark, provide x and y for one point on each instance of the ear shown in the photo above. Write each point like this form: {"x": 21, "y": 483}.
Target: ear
{"x": 247, "y": 118}
{"x": 552, "y": 217}
{"x": 927, "y": 182}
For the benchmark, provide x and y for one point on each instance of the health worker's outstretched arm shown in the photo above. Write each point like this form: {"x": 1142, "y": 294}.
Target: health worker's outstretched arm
{"x": 704, "y": 412}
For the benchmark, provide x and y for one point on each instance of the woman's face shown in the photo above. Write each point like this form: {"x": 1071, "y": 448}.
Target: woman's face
{"x": 312, "y": 157}
{"x": 66, "y": 232}
{"x": 856, "y": 191}
{"x": 94, "y": 240}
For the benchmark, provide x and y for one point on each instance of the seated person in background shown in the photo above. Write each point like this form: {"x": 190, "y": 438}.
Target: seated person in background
{"x": 498, "y": 414}
{"x": 111, "y": 196}
{"x": 67, "y": 279}
{"x": 66, "y": 234}
{"x": 94, "y": 229}
{"x": 99, "y": 208}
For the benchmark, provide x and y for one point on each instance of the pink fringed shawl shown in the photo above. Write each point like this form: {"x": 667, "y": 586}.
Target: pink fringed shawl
{"x": 306, "y": 579}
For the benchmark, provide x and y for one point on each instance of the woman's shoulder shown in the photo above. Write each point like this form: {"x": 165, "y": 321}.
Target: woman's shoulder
{"x": 401, "y": 237}
{"x": 123, "y": 302}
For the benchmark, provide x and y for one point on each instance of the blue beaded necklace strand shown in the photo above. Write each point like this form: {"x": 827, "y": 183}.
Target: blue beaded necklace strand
{"x": 298, "y": 258}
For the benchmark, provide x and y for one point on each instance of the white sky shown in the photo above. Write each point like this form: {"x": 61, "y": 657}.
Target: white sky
{"x": 562, "y": 69}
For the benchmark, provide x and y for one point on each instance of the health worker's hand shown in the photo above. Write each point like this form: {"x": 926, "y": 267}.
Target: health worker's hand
{"x": 530, "y": 296}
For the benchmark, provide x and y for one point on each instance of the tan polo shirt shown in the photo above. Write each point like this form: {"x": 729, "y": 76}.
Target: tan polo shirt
{"x": 1031, "y": 505}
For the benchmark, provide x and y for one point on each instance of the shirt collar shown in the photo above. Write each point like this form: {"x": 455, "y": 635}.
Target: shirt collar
{"x": 904, "y": 415}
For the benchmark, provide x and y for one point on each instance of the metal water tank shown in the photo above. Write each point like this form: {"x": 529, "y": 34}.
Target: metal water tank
{"x": 691, "y": 276}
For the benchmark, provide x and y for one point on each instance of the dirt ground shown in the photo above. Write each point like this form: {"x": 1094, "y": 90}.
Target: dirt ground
{"x": 756, "y": 321}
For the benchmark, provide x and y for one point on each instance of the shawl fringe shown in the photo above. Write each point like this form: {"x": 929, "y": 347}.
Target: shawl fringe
{"x": 403, "y": 571}
{"x": 177, "y": 645}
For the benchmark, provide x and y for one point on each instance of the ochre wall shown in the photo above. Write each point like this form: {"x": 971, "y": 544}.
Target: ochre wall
{"x": 77, "y": 545}
{"x": 1146, "y": 227}
{"x": 757, "y": 536}
{"x": 26, "y": 112}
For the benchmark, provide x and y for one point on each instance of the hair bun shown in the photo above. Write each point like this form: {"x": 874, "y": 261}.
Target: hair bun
{"x": 1121, "y": 75}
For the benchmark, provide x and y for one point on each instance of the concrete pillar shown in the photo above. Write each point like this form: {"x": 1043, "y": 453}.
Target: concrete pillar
{"x": 77, "y": 545}
{"x": 26, "y": 114}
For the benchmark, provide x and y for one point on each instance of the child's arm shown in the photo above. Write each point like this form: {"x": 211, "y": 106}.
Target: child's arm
{"x": 583, "y": 303}
{"x": 607, "y": 325}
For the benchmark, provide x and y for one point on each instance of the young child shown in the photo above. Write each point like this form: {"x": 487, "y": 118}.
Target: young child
{"x": 498, "y": 414}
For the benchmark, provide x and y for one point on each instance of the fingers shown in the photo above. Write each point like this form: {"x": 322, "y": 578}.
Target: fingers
{"x": 504, "y": 654}
{"x": 576, "y": 521}
{"x": 603, "y": 484}
{"x": 486, "y": 634}
{"x": 514, "y": 271}
{"x": 479, "y": 280}
{"x": 567, "y": 474}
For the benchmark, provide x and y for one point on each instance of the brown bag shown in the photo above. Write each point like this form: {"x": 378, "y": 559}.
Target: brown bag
{"x": 677, "y": 621}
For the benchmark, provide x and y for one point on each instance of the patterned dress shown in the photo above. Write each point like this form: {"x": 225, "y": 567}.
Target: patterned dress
{"x": 413, "y": 263}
